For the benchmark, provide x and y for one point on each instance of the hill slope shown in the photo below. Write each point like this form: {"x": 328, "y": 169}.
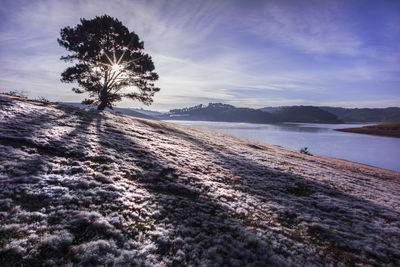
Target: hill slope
{"x": 82, "y": 187}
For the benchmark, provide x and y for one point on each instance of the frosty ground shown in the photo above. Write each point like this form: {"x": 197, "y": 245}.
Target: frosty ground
{"x": 81, "y": 187}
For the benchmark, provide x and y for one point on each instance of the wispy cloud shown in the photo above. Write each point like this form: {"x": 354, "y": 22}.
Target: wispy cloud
{"x": 251, "y": 54}
{"x": 312, "y": 26}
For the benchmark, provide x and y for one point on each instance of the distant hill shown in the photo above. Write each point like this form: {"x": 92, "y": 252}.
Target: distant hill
{"x": 141, "y": 113}
{"x": 308, "y": 114}
{"x": 223, "y": 112}
{"x": 131, "y": 112}
{"x": 229, "y": 113}
{"x": 147, "y": 112}
{"x": 272, "y": 109}
{"x": 391, "y": 114}
{"x": 220, "y": 112}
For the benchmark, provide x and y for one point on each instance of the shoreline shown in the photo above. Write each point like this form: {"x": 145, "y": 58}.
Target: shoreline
{"x": 317, "y": 149}
{"x": 381, "y": 129}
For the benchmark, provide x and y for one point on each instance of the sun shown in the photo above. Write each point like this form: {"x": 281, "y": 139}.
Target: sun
{"x": 116, "y": 68}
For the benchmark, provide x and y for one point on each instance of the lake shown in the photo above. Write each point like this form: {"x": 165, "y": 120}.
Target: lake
{"x": 320, "y": 139}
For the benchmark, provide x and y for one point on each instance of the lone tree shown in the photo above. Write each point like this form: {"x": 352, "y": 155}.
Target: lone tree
{"x": 110, "y": 62}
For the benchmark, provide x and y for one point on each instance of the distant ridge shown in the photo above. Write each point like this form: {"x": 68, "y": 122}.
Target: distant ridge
{"x": 140, "y": 113}
{"x": 352, "y": 115}
{"x": 390, "y": 114}
{"x": 220, "y": 112}
{"x": 298, "y": 114}
{"x": 229, "y": 113}
{"x": 307, "y": 114}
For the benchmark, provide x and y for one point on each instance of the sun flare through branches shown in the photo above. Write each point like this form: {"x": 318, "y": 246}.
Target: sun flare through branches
{"x": 109, "y": 59}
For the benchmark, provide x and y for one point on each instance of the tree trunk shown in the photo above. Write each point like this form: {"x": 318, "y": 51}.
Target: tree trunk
{"x": 103, "y": 99}
{"x": 102, "y": 106}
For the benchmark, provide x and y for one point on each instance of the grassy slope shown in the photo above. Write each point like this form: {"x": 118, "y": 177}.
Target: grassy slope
{"x": 92, "y": 188}
{"x": 383, "y": 129}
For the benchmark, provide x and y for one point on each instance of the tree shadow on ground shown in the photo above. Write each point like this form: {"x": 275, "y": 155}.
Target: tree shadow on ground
{"x": 343, "y": 225}
{"x": 199, "y": 230}
{"x": 47, "y": 175}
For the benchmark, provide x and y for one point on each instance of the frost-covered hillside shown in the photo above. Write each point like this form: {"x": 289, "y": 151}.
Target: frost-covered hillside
{"x": 84, "y": 188}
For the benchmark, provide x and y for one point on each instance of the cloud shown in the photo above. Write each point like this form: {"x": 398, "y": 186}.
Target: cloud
{"x": 215, "y": 51}
{"x": 311, "y": 26}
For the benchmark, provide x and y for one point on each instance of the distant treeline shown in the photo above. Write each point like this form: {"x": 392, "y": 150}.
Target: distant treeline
{"x": 391, "y": 114}
{"x": 220, "y": 112}
{"x": 229, "y": 113}
{"x": 305, "y": 114}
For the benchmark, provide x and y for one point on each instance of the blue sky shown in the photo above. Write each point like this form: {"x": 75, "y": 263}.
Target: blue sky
{"x": 241, "y": 52}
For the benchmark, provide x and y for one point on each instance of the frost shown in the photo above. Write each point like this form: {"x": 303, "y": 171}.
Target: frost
{"x": 81, "y": 188}
{"x": 94, "y": 253}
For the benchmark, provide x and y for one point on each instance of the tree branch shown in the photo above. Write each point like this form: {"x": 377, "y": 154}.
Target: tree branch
{"x": 113, "y": 80}
{"x": 123, "y": 53}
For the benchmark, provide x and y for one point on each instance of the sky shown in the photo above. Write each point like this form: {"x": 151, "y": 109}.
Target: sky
{"x": 247, "y": 53}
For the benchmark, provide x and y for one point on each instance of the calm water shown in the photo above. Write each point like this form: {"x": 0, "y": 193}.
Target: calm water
{"x": 320, "y": 139}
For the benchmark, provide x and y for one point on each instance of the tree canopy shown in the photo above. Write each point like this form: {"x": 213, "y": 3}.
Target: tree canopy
{"x": 110, "y": 62}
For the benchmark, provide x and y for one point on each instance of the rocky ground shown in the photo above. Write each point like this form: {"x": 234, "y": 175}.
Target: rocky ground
{"x": 80, "y": 187}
